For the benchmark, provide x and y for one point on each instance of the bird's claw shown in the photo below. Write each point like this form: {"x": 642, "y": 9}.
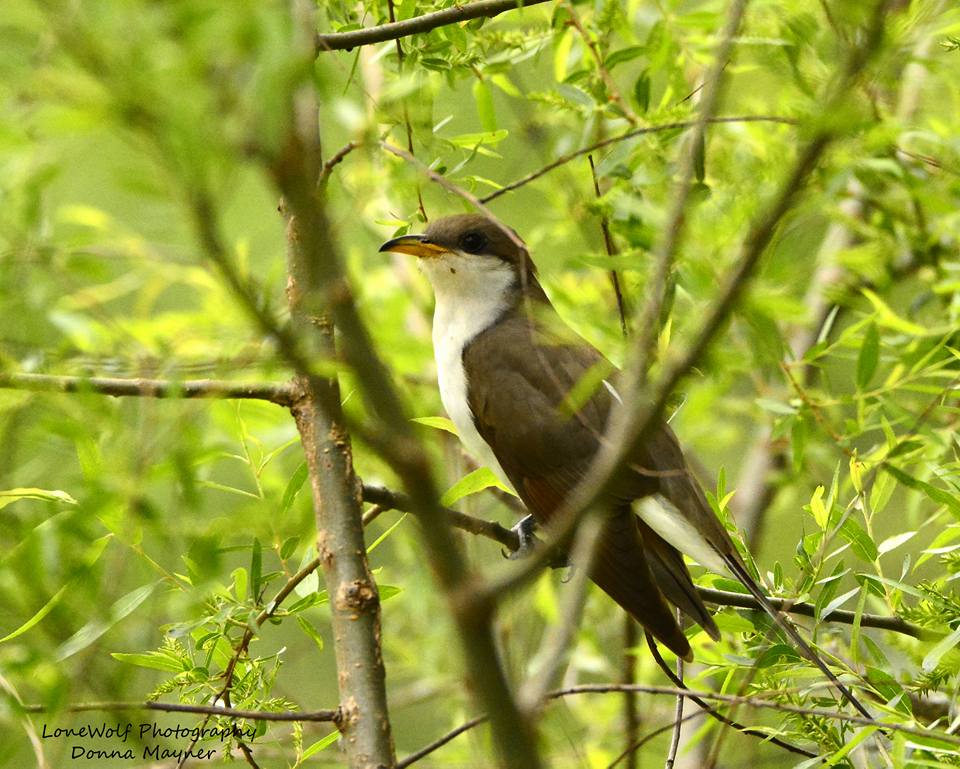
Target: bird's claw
{"x": 528, "y": 540}
{"x": 526, "y": 533}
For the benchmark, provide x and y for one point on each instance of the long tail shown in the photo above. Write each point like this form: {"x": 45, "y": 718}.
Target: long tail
{"x": 784, "y": 623}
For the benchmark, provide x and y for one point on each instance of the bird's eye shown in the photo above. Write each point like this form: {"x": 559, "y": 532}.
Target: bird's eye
{"x": 473, "y": 242}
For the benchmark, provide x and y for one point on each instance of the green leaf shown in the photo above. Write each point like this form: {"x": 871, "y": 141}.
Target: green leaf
{"x": 47, "y": 495}
{"x": 641, "y": 91}
{"x": 240, "y": 583}
{"x": 561, "y": 54}
{"x": 869, "y": 357}
{"x": 936, "y": 653}
{"x": 861, "y": 542}
{"x": 472, "y": 140}
{"x": 293, "y": 487}
{"x": 700, "y": 158}
{"x": 322, "y": 744}
{"x": 289, "y": 547}
{"x": 775, "y": 407}
{"x": 153, "y": 660}
{"x": 851, "y": 745}
{"x": 376, "y": 543}
{"x": 438, "y": 423}
{"x": 256, "y": 566}
{"x": 939, "y": 496}
{"x": 624, "y": 54}
{"x": 483, "y": 97}
{"x": 91, "y": 557}
{"x": 39, "y": 615}
{"x": 96, "y": 628}
{"x": 889, "y": 319}
{"x": 818, "y": 509}
{"x": 480, "y": 479}
{"x": 310, "y": 630}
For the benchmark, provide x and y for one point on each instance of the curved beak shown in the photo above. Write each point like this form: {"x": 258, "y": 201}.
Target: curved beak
{"x": 416, "y": 245}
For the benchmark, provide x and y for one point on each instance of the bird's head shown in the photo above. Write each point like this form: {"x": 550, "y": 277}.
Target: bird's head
{"x": 469, "y": 252}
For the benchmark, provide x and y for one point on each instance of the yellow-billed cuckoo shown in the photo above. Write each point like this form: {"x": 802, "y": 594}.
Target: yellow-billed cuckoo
{"x": 507, "y": 367}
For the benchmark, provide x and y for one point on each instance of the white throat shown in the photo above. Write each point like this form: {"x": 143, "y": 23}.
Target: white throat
{"x": 471, "y": 294}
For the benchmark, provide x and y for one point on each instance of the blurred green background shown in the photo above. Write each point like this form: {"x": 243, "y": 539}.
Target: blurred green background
{"x": 114, "y": 114}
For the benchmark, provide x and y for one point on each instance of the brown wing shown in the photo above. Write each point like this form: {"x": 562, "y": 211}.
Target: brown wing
{"x": 518, "y": 410}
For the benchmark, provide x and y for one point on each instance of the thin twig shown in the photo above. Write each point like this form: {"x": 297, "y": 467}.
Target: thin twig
{"x": 450, "y": 186}
{"x": 880, "y": 621}
{"x": 613, "y": 91}
{"x": 554, "y": 648}
{"x": 713, "y": 712}
{"x": 699, "y": 697}
{"x": 440, "y": 742}
{"x": 757, "y": 702}
{"x": 335, "y": 160}
{"x": 283, "y": 394}
{"x": 631, "y": 718}
{"x": 630, "y": 753}
{"x": 340, "y": 41}
{"x": 612, "y": 252}
{"x": 210, "y": 710}
{"x": 674, "y": 126}
{"x": 406, "y": 111}
{"x": 394, "y": 500}
{"x": 665, "y": 253}
{"x": 677, "y": 723}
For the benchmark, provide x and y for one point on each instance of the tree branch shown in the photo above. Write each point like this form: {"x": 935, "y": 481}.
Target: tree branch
{"x": 392, "y": 500}
{"x": 209, "y": 710}
{"x": 344, "y": 41}
{"x": 354, "y": 599}
{"x": 283, "y": 394}
{"x": 669, "y": 242}
{"x": 326, "y": 287}
{"x": 757, "y": 702}
{"x": 675, "y": 126}
{"x": 879, "y": 621}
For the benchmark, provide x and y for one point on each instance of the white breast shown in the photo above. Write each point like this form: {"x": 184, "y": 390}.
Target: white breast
{"x": 471, "y": 295}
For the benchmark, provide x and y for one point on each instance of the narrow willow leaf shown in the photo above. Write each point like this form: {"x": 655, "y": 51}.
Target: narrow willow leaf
{"x": 47, "y": 495}
{"x": 438, "y": 423}
{"x": 289, "y": 547}
{"x": 837, "y": 602}
{"x": 851, "y": 745}
{"x": 322, "y": 744}
{"x": 256, "y": 567}
{"x": 483, "y": 97}
{"x": 96, "y": 628}
{"x": 376, "y": 543}
{"x": 700, "y": 158}
{"x": 293, "y": 487}
{"x": 936, "y": 653}
{"x": 889, "y": 319}
{"x": 43, "y": 612}
{"x": 858, "y": 538}
{"x": 90, "y": 558}
{"x": 939, "y": 496}
{"x": 624, "y": 54}
{"x": 240, "y": 583}
{"x": 310, "y": 630}
{"x": 891, "y": 543}
{"x": 480, "y": 479}
{"x": 152, "y": 660}
{"x": 869, "y": 356}
{"x": 817, "y": 507}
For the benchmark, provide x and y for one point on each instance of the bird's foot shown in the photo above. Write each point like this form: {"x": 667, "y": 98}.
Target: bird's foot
{"x": 528, "y": 539}
{"x": 526, "y": 533}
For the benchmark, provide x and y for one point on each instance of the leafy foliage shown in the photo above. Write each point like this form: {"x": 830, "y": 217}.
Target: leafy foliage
{"x": 144, "y": 539}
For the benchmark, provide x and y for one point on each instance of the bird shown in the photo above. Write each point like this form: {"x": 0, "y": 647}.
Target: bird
{"x": 511, "y": 376}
